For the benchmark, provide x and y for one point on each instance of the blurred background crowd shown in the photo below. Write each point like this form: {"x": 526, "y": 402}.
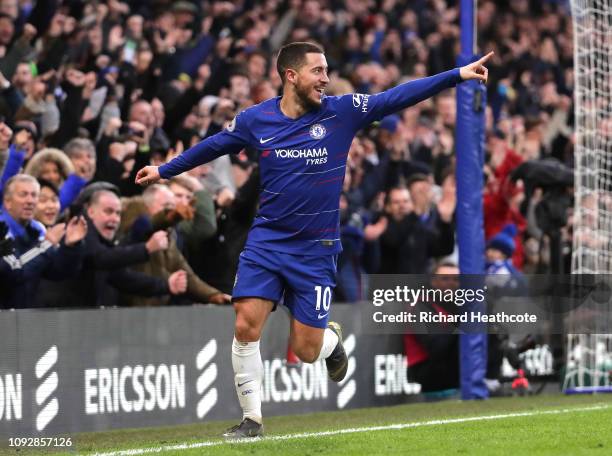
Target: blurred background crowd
{"x": 91, "y": 91}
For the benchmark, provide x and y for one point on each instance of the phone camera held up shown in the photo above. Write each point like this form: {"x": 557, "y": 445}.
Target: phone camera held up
{"x": 126, "y": 133}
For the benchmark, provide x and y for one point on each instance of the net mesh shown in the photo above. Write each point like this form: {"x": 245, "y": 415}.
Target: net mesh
{"x": 589, "y": 357}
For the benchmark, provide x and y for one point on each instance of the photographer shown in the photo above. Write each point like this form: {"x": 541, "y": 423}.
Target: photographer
{"x": 548, "y": 199}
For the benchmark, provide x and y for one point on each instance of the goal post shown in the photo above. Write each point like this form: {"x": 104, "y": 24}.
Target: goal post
{"x": 470, "y": 139}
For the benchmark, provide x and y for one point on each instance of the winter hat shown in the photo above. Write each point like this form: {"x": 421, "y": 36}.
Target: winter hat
{"x": 504, "y": 240}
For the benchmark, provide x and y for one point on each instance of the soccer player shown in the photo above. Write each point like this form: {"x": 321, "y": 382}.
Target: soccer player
{"x": 303, "y": 139}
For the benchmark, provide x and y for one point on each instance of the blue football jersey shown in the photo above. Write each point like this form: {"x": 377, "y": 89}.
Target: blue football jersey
{"x": 302, "y": 161}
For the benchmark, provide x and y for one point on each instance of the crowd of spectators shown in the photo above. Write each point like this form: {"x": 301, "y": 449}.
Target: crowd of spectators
{"x": 91, "y": 91}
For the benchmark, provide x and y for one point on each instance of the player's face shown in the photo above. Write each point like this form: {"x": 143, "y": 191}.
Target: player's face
{"x": 312, "y": 80}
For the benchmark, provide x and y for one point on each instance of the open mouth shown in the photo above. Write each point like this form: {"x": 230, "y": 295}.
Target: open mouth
{"x": 110, "y": 229}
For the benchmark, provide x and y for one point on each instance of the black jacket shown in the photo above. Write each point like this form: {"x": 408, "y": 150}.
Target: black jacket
{"x": 105, "y": 273}
{"x": 217, "y": 261}
{"x": 406, "y": 246}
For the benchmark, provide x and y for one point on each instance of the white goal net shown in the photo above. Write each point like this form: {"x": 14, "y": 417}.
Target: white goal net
{"x": 589, "y": 356}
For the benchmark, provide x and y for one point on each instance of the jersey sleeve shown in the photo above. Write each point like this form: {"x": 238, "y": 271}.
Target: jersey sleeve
{"x": 364, "y": 109}
{"x": 228, "y": 141}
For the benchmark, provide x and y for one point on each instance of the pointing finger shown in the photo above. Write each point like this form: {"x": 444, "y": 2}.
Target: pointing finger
{"x": 486, "y": 57}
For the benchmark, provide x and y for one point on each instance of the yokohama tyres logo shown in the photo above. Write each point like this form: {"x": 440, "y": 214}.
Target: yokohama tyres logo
{"x": 348, "y": 385}
{"x": 48, "y": 385}
{"x": 208, "y": 395}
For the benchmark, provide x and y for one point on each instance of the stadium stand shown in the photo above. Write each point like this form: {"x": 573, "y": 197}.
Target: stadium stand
{"x": 145, "y": 80}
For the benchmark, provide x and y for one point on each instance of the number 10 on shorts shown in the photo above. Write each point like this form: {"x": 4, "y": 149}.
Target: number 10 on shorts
{"x": 324, "y": 296}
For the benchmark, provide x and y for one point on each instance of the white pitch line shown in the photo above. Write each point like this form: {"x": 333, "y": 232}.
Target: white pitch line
{"x": 399, "y": 426}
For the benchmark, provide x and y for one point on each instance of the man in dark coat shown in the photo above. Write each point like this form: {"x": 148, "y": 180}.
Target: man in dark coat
{"x": 104, "y": 271}
{"x": 407, "y": 244}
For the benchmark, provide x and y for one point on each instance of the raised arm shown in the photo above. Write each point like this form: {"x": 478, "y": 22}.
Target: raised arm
{"x": 231, "y": 140}
{"x": 368, "y": 108}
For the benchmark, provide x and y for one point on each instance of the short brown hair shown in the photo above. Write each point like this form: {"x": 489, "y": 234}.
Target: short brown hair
{"x": 182, "y": 181}
{"x": 397, "y": 188}
{"x": 416, "y": 177}
{"x": 293, "y": 56}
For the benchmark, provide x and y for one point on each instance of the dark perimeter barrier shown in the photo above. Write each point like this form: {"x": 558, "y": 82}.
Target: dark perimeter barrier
{"x": 65, "y": 371}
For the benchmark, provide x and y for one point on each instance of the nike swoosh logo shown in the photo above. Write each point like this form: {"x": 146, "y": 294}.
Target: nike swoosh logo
{"x": 263, "y": 141}
{"x": 320, "y": 317}
{"x": 244, "y": 383}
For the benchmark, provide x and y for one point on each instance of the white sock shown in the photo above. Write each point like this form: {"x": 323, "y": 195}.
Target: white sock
{"x": 330, "y": 340}
{"x": 248, "y": 377}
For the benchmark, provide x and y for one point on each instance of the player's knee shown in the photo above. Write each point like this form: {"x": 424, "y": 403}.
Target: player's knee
{"x": 307, "y": 354}
{"x": 245, "y": 330}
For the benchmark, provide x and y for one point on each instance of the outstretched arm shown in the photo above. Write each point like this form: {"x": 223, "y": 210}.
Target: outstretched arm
{"x": 231, "y": 140}
{"x": 197, "y": 155}
{"x": 369, "y": 108}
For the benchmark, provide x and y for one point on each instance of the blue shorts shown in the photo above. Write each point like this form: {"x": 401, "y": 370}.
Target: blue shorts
{"x": 304, "y": 282}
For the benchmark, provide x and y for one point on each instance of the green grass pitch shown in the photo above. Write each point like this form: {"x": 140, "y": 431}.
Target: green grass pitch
{"x": 541, "y": 425}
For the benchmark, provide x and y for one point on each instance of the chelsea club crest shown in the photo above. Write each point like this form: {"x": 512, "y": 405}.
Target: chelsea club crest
{"x": 317, "y": 131}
